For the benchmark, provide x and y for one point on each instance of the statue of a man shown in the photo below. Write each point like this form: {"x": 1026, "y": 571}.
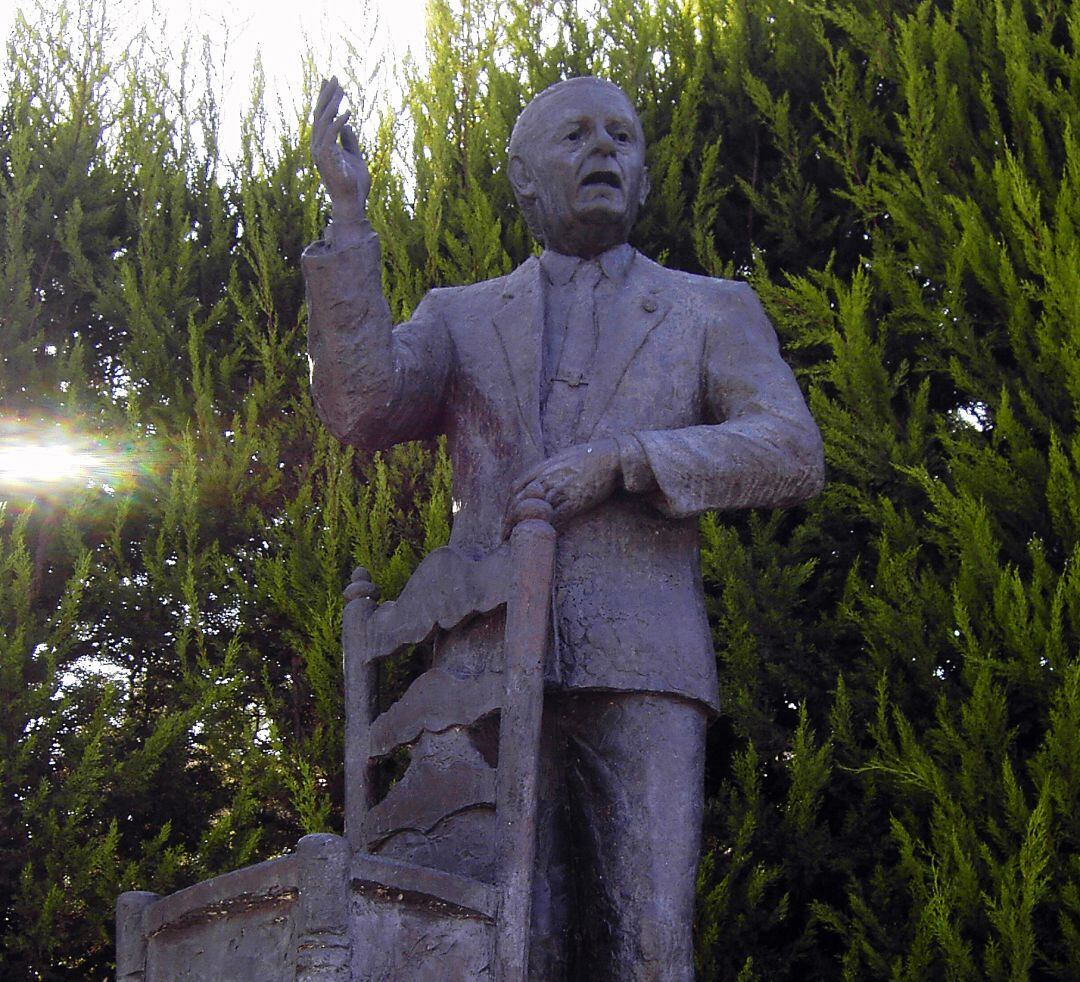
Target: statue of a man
{"x": 632, "y": 398}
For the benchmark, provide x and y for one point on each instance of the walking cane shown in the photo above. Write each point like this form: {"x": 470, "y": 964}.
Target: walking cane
{"x": 528, "y": 623}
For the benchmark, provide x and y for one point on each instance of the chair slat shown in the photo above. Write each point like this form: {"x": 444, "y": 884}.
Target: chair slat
{"x": 435, "y": 701}
{"x": 447, "y": 588}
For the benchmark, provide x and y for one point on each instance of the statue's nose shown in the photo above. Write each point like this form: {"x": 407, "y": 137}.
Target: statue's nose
{"x": 602, "y": 142}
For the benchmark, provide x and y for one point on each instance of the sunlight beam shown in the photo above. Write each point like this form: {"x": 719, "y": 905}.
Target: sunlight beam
{"x": 46, "y": 464}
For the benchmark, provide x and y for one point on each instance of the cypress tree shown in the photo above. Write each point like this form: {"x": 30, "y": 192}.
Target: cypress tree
{"x": 892, "y": 783}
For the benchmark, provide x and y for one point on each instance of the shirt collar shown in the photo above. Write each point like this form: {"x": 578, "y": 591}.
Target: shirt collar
{"x": 614, "y": 263}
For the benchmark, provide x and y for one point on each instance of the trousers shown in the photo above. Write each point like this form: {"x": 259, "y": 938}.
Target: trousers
{"x": 619, "y": 829}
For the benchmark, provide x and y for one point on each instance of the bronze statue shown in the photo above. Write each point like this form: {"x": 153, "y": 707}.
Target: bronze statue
{"x": 630, "y": 398}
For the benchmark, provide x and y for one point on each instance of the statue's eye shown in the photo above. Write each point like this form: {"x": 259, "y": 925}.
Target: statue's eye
{"x": 621, "y": 136}
{"x": 573, "y": 136}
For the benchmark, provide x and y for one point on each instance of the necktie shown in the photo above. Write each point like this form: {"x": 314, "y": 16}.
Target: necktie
{"x": 575, "y": 358}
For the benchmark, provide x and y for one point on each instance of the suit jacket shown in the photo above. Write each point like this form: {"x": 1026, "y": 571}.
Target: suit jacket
{"x": 690, "y": 368}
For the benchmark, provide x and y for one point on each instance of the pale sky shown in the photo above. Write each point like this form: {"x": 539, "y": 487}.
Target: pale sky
{"x": 276, "y": 27}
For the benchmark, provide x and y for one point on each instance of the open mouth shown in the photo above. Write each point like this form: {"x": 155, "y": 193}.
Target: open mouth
{"x": 604, "y": 178}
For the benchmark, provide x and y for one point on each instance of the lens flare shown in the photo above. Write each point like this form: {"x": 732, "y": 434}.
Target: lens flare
{"x": 46, "y": 463}
{"x": 46, "y": 457}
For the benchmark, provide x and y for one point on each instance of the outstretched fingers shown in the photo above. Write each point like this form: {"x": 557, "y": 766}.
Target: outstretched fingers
{"x": 349, "y": 140}
{"x": 335, "y": 128}
{"x": 326, "y": 112}
{"x": 329, "y": 113}
{"x": 325, "y": 90}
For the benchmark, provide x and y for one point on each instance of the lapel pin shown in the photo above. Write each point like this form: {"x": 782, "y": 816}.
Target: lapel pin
{"x": 649, "y": 305}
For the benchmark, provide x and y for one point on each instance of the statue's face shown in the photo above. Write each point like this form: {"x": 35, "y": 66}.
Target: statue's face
{"x": 585, "y": 166}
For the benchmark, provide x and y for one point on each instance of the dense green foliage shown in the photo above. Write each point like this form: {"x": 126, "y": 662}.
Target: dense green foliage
{"x": 895, "y": 785}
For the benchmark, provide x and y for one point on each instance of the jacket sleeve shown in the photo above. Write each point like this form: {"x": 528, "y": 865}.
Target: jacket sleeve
{"x": 764, "y": 449}
{"x": 373, "y": 385}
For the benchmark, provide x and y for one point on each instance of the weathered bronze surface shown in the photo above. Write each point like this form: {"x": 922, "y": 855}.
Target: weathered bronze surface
{"x": 630, "y": 398}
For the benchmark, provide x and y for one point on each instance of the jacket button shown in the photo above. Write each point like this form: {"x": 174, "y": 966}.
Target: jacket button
{"x": 648, "y": 304}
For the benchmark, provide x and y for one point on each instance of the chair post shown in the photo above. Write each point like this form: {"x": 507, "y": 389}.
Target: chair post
{"x": 360, "y": 683}
{"x": 323, "y": 945}
{"x": 131, "y": 940}
{"x": 528, "y": 626}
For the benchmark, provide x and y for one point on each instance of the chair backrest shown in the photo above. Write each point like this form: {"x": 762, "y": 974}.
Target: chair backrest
{"x": 447, "y": 588}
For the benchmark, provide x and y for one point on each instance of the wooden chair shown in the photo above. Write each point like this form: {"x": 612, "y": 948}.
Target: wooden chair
{"x": 445, "y": 591}
{"x": 334, "y": 910}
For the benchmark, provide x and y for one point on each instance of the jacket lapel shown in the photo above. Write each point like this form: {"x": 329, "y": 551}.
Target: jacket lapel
{"x": 622, "y": 333}
{"x": 519, "y": 326}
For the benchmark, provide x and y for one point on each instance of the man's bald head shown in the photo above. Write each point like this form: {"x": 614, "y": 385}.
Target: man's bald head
{"x": 528, "y": 121}
{"x": 577, "y": 165}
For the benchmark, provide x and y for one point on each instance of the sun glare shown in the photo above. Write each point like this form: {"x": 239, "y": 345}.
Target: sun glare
{"x": 56, "y": 463}
{"x": 51, "y": 458}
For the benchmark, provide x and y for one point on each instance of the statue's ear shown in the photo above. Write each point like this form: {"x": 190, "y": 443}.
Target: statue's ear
{"x": 521, "y": 179}
{"x": 645, "y": 186}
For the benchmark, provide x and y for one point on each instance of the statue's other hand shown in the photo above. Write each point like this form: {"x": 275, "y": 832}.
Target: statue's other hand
{"x": 572, "y": 481}
{"x": 337, "y": 156}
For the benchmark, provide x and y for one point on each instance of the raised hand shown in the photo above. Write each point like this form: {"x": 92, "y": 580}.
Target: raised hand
{"x": 336, "y": 153}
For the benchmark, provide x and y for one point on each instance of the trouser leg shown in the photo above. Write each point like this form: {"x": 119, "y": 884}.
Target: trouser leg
{"x": 553, "y": 899}
{"x": 635, "y": 776}
{"x": 618, "y": 838}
